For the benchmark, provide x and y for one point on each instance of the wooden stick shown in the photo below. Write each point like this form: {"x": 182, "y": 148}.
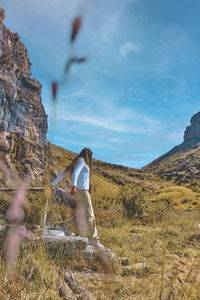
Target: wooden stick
{"x": 44, "y": 215}
{"x": 37, "y": 189}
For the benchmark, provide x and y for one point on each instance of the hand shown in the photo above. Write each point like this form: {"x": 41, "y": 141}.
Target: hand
{"x": 73, "y": 191}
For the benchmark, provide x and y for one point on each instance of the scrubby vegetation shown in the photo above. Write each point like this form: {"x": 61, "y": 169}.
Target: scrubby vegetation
{"x": 35, "y": 276}
{"x": 133, "y": 200}
{"x": 168, "y": 250}
{"x": 140, "y": 217}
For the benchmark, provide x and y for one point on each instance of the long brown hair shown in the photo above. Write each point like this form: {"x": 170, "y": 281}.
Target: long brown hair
{"x": 86, "y": 154}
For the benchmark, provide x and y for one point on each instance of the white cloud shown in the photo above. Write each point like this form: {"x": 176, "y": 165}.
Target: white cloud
{"x": 125, "y": 49}
{"x": 108, "y": 15}
{"x": 117, "y": 141}
{"x": 97, "y": 121}
{"x": 105, "y": 113}
{"x": 108, "y": 29}
{"x": 72, "y": 95}
{"x": 130, "y": 122}
{"x": 94, "y": 144}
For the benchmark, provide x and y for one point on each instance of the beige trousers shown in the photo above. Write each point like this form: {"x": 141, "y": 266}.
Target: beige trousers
{"x": 84, "y": 215}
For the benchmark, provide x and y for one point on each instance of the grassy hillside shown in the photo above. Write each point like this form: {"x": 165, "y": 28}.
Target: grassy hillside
{"x": 107, "y": 183}
{"x": 182, "y": 163}
{"x": 108, "y": 179}
{"x": 158, "y": 235}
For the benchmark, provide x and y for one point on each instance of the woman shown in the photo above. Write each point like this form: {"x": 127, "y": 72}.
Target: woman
{"x": 80, "y": 171}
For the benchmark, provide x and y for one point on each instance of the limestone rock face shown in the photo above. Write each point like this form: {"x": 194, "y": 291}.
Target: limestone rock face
{"x": 192, "y": 132}
{"x": 23, "y": 122}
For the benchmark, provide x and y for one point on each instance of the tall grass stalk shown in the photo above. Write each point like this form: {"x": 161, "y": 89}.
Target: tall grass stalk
{"x": 162, "y": 270}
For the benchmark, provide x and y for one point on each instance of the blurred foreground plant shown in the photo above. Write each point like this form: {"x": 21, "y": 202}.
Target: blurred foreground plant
{"x": 76, "y": 26}
{"x": 17, "y": 231}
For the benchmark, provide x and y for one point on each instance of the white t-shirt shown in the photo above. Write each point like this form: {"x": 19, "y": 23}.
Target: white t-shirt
{"x": 81, "y": 175}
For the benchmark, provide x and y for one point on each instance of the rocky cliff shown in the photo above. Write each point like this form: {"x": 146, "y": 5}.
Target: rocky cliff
{"x": 23, "y": 122}
{"x": 192, "y": 132}
{"x": 181, "y": 163}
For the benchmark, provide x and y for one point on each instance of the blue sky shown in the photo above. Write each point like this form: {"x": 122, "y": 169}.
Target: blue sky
{"x": 132, "y": 100}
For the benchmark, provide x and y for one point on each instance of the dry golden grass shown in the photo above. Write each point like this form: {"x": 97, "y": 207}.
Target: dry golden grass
{"x": 170, "y": 248}
{"x": 104, "y": 193}
{"x": 179, "y": 196}
{"x": 171, "y": 251}
{"x": 35, "y": 276}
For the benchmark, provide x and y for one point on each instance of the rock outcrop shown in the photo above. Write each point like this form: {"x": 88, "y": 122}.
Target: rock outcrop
{"x": 23, "y": 122}
{"x": 192, "y": 132}
{"x": 182, "y": 162}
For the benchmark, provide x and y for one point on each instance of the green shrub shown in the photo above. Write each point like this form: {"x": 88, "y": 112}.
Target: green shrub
{"x": 136, "y": 202}
{"x": 133, "y": 199}
{"x": 155, "y": 210}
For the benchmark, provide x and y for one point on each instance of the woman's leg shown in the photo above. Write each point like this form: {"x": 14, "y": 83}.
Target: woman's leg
{"x": 85, "y": 215}
{"x": 79, "y": 215}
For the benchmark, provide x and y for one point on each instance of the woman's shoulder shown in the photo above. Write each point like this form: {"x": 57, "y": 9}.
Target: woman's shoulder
{"x": 80, "y": 160}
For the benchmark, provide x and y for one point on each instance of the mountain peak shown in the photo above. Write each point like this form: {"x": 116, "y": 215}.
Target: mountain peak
{"x": 182, "y": 161}
{"x": 192, "y": 132}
